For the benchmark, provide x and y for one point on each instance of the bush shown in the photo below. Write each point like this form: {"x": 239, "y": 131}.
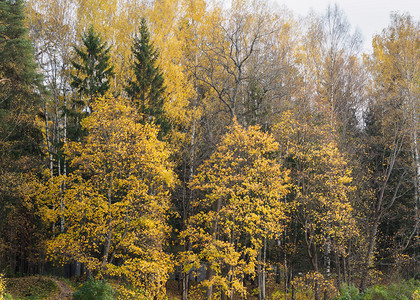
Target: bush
{"x": 405, "y": 290}
{"x": 94, "y": 290}
{"x": 348, "y": 292}
{"x": 377, "y": 292}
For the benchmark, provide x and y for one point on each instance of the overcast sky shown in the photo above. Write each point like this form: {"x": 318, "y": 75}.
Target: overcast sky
{"x": 369, "y": 16}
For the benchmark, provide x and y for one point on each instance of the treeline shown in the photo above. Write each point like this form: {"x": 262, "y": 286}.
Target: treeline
{"x": 238, "y": 144}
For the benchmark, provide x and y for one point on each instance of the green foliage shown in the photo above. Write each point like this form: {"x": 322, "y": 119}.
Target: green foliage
{"x": 20, "y": 136}
{"x": 94, "y": 71}
{"x": 348, "y": 292}
{"x": 147, "y": 89}
{"x": 403, "y": 290}
{"x": 376, "y": 292}
{"x": 19, "y": 85}
{"x": 18, "y": 73}
{"x": 94, "y": 290}
{"x": 398, "y": 291}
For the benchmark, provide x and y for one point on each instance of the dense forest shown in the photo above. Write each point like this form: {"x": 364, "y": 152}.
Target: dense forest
{"x": 227, "y": 148}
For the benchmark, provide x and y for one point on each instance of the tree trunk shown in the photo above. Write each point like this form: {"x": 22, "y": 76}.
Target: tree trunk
{"x": 369, "y": 255}
{"x": 109, "y": 234}
{"x": 185, "y": 285}
{"x": 338, "y": 269}
{"x": 314, "y": 260}
{"x": 209, "y": 277}
{"x": 345, "y": 271}
{"x": 327, "y": 256}
{"x": 261, "y": 271}
{"x": 417, "y": 166}
{"x": 286, "y": 275}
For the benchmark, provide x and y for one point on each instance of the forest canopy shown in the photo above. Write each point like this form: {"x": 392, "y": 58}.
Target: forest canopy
{"x": 238, "y": 150}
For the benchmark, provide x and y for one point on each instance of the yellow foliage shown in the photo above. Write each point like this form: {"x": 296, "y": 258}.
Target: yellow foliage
{"x": 116, "y": 199}
{"x": 243, "y": 188}
{"x": 322, "y": 178}
{"x": 2, "y": 286}
{"x": 312, "y": 283}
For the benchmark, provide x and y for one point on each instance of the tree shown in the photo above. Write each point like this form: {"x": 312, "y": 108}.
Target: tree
{"x": 232, "y": 58}
{"x": 19, "y": 83}
{"x": 52, "y": 26}
{"x": 147, "y": 89}
{"x": 392, "y": 134}
{"x": 93, "y": 71}
{"x": 323, "y": 182}
{"x": 93, "y": 74}
{"x": 20, "y": 140}
{"x": 240, "y": 208}
{"x": 330, "y": 55}
{"x": 117, "y": 199}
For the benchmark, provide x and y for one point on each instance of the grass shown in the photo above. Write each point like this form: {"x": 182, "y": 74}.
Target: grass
{"x": 33, "y": 287}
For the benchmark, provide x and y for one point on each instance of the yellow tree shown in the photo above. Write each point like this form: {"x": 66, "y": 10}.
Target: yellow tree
{"x": 393, "y": 122}
{"x": 163, "y": 19}
{"x": 240, "y": 208}
{"x": 323, "y": 182}
{"x": 117, "y": 199}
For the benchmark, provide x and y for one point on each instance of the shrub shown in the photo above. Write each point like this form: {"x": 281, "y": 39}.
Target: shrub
{"x": 404, "y": 290}
{"x": 94, "y": 290}
{"x": 348, "y": 292}
{"x": 376, "y": 292}
{"x": 314, "y": 282}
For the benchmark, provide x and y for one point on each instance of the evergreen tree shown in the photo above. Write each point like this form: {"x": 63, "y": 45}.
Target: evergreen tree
{"x": 94, "y": 70}
{"x": 147, "y": 88}
{"x": 93, "y": 75}
{"x": 20, "y": 139}
{"x": 19, "y": 83}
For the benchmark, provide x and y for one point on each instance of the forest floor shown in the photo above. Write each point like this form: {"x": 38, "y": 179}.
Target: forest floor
{"x": 66, "y": 292}
{"x": 38, "y": 287}
{"x": 173, "y": 291}
{"x": 57, "y": 288}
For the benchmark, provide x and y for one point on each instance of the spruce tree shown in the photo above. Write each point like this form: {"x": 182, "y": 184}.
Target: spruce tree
{"x": 93, "y": 68}
{"x": 20, "y": 83}
{"x": 93, "y": 73}
{"x": 20, "y": 141}
{"x": 147, "y": 87}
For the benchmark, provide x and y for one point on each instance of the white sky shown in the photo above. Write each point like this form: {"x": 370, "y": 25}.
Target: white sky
{"x": 369, "y": 16}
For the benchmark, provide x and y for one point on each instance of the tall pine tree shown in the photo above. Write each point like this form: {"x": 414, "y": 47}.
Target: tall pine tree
{"x": 19, "y": 83}
{"x": 20, "y": 140}
{"x": 147, "y": 87}
{"x": 94, "y": 70}
{"x": 93, "y": 73}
